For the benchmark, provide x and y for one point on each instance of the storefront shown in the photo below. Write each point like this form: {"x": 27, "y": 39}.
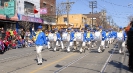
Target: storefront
{"x": 31, "y": 20}
{"x": 48, "y": 25}
{"x": 8, "y": 23}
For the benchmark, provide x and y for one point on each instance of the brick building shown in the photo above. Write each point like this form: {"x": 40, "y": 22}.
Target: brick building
{"x": 50, "y": 5}
{"x": 49, "y": 18}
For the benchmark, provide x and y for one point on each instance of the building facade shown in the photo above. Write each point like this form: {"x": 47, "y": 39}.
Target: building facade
{"x": 25, "y": 10}
{"x": 99, "y": 19}
{"x": 5, "y": 21}
{"x": 75, "y": 20}
{"x": 50, "y": 17}
{"x": 26, "y": 7}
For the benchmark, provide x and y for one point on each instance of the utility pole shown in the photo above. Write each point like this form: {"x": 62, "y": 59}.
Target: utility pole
{"x": 68, "y": 6}
{"x": 92, "y": 5}
{"x": 112, "y": 23}
{"x": 103, "y": 18}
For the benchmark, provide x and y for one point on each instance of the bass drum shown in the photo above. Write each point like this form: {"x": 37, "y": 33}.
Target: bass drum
{"x": 66, "y": 37}
{"x": 98, "y": 36}
{"x": 52, "y": 37}
{"x": 79, "y": 37}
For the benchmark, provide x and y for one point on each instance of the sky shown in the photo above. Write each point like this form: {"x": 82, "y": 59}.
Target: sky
{"x": 119, "y": 10}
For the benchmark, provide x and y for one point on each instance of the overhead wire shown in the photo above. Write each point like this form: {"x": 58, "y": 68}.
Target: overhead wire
{"x": 116, "y": 4}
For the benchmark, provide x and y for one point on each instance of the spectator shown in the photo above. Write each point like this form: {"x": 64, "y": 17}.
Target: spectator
{"x": 21, "y": 43}
{"x": 2, "y": 47}
{"x": 14, "y": 45}
{"x": 3, "y": 33}
{"x": 27, "y": 34}
{"x": 22, "y": 33}
{"x": 14, "y": 32}
{"x": 19, "y": 31}
{"x": 7, "y": 32}
{"x": 7, "y": 47}
{"x": 11, "y": 32}
{"x": 130, "y": 46}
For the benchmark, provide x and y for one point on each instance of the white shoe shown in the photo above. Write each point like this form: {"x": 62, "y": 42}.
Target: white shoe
{"x": 99, "y": 51}
{"x": 92, "y": 46}
{"x": 68, "y": 50}
{"x": 80, "y": 50}
{"x": 54, "y": 49}
{"x": 120, "y": 51}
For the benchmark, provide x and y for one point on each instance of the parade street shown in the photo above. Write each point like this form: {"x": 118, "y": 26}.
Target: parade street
{"x": 24, "y": 61}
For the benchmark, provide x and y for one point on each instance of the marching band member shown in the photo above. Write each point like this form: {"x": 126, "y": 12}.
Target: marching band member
{"x": 71, "y": 40}
{"x": 40, "y": 41}
{"x": 107, "y": 39}
{"x": 110, "y": 36}
{"x": 83, "y": 40}
{"x": 74, "y": 41}
{"x": 100, "y": 37}
{"x": 89, "y": 37}
{"x": 47, "y": 32}
{"x": 49, "y": 43}
{"x": 93, "y": 44}
{"x": 103, "y": 39}
{"x": 58, "y": 39}
{"x": 120, "y": 39}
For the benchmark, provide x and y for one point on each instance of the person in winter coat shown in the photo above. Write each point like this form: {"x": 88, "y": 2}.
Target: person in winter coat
{"x": 130, "y": 46}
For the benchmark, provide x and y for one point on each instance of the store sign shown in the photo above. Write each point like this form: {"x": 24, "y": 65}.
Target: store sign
{"x": 30, "y": 19}
{"x": 2, "y": 10}
{"x": 9, "y": 8}
{"x": 43, "y": 11}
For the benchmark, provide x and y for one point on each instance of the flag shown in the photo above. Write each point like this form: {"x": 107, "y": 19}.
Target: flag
{"x": 35, "y": 11}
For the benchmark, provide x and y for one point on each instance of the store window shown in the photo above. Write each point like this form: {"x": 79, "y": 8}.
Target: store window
{"x": 3, "y": 1}
{"x": 28, "y": 7}
{"x": 44, "y": 4}
{"x": 65, "y": 19}
{"x": 52, "y": 8}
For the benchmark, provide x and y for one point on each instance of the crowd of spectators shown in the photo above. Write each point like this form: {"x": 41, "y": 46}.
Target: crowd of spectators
{"x": 12, "y": 39}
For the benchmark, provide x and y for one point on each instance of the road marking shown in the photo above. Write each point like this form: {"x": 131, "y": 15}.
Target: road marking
{"x": 107, "y": 61}
{"x": 74, "y": 61}
{"x": 52, "y": 63}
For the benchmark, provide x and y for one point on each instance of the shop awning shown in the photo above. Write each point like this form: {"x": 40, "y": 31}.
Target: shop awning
{"x": 14, "y": 18}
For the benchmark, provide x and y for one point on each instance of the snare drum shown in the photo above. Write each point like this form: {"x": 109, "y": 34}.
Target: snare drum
{"x": 66, "y": 37}
{"x": 52, "y": 37}
{"x": 79, "y": 37}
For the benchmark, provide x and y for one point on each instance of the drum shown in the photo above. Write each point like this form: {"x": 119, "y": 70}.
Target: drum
{"x": 79, "y": 37}
{"x": 120, "y": 37}
{"x": 52, "y": 37}
{"x": 66, "y": 37}
{"x": 98, "y": 36}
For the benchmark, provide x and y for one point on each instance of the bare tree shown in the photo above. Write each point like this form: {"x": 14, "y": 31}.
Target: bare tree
{"x": 60, "y": 10}
{"x": 25, "y": 24}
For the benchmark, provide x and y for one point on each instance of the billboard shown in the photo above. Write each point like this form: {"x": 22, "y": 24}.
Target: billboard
{"x": 43, "y": 11}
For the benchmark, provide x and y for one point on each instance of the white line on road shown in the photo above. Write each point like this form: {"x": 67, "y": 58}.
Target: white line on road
{"x": 74, "y": 61}
{"x": 17, "y": 56}
{"x": 107, "y": 61}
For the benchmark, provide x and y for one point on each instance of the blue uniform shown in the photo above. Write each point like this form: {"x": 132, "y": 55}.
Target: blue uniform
{"x": 90, "y": 37}
{"x": 103, "y": 35}
{"x": 41, "y": 39}
{"x": 71, "y": 36}
{"x": 58, "y": 36}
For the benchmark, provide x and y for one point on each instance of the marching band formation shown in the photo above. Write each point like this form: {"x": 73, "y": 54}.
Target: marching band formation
{"x": 85, "y": 39}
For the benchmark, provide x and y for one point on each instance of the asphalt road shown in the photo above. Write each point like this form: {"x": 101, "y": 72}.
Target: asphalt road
{"x": 24, "y": 61}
